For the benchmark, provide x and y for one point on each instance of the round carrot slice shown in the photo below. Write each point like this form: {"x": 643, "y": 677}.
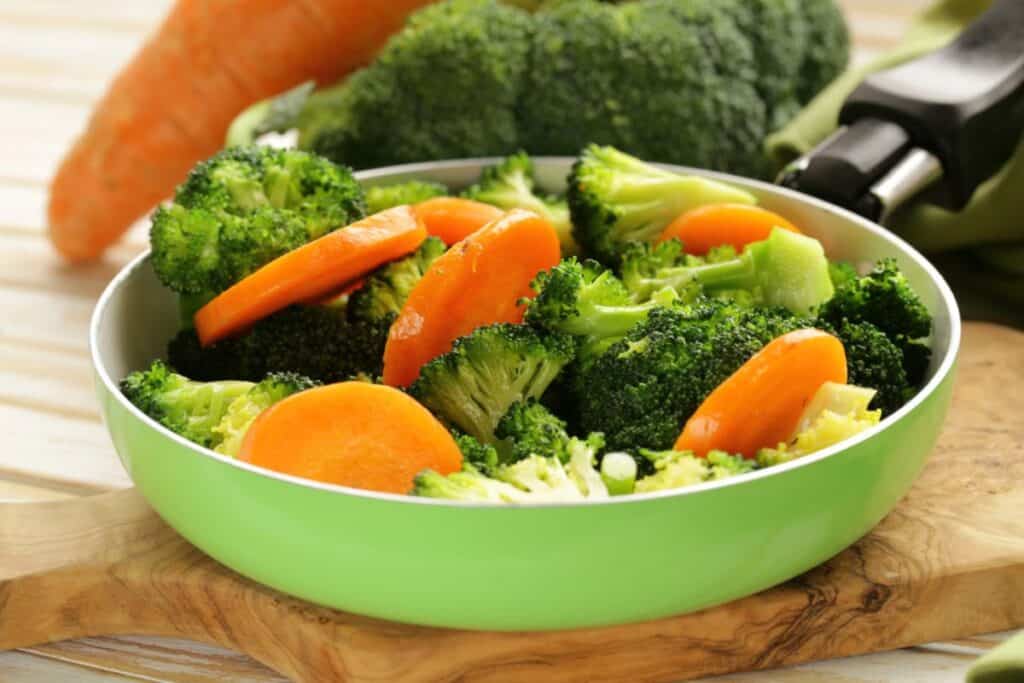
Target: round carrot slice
{"x": 715, "y": 225}
{"x": 366, "y": 436}
{"x": 311, "y": 271}
{"x": 479, "y": 281}
{"x": 760, "y": 404}
{"x": 454, "y": 218}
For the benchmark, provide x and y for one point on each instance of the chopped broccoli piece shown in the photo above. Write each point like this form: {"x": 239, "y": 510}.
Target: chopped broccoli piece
{"x": 382, "y": 197}
{"x": 243, "y": 208}
{"x": 380, "y": 299}
{"x": 588, "y": 301}
{"x": 787, "y": 269}
{"x": 511, "y": 185}
{"x": 320, "y": 342}
{"x": 873, "y": 360}
{"x": 619, "y": 470}
{"x": 483, "y": 457}
{"x": 468, "y": 485}
{"x": 474, "y": 385}
{"x": 616, "y": 199}
{"x": 841, "y": 272}
{"x": 529, "y": 428}
{"x": 836, "y": 413}
{"x": 277, "y": 114}
{"x": 186, "y": 407}
{"x": 678, "y": 469}
{"x": 641, "y": 391}
{"x": 244, "y": 410}
{"x": 883, "y": 298}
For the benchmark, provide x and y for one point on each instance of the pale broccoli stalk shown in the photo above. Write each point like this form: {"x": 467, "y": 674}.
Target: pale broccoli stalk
{"x": 618, "y": 471}
{"x": 679, "y": 469}
{"x": 244, "y": 410}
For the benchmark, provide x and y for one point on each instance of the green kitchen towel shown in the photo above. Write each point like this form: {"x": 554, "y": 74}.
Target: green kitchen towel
{"x": 1005, "y": 664}
{"x": 996, "y": 213}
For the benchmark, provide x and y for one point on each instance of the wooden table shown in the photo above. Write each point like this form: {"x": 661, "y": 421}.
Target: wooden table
{"x": 55, "y": 58}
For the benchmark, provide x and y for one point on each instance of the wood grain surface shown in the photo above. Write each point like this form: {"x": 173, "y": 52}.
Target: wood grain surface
{"x": 56, "y": 56}
{"x": 947, "y": 563}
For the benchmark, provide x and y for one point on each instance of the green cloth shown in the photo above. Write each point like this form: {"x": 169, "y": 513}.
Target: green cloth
{"x": 1005, "y": 664}
{"x": 996, "y": 213}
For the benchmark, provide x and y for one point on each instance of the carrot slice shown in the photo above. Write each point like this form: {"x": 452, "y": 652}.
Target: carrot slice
{"x": 720, "y": 224}
{"x": 453, "y": 218}
{"x": 477, "y": 282}
{"x": 761, "y": 403}
{"x": 366, "y": 436}
{"x": 311, "y": 271}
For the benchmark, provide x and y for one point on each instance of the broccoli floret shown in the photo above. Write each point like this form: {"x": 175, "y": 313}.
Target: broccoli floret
{"x": 616, "y": 199}
{"x": 483, "y": 457}
{"x": 883, "y": 298}
{"x": 244, "y": 410}
{"x": 243, "y": 208}
{"x": 186, "y": 407}
{"x": 535, "y": 479}
{"x": 873, "y": 360}
{"x": 529, "y": 428}
{"x": 319, "y": 342}
{"x": 474, "y": 385}
{"x": 511, "y": 185}
{"x": 588, "y": 301}
{"x": 412, "y": 102}
{"x": 277, "y": 114}
{"x": 380, "y": 299}
{"x": 787, "y": 269}
{"x": 382, "y": 197}
{"x": 841, "y": 272}
{"x": 678, "y": 469}
{"x": 641, "y": 391}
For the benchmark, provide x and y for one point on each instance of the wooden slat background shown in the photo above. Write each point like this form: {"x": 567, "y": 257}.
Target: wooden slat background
{"x": 56, "y": 56}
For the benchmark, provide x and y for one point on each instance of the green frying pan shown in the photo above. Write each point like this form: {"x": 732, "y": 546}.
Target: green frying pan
{"x": 537, "y": 567}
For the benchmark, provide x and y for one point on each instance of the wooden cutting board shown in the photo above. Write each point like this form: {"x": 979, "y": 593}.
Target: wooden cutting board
{"x": 947, "y": 563}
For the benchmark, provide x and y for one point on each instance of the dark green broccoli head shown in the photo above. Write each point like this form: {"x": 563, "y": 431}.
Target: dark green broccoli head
{"x": 475, "y": 384}
{"x": 827, "y": 49}
{"x": 382, "y": 197}
{"x": 447, "y": 86}
{"x": 529, "y": 428}
{"x": 186, "y": 407}
{"x": 382, "y": 296}
{"x": 319, "y": 342}
{"x": 483, "y": 457}
{"x": 883, "y": 298}
{"x": 616, "y": 200}
{"x": 244, "y": 207}
{"x": 641, "y": 391}
{"x": 588, "y": 301}
{"x": 511, "y": 185}
{"x": 841, "y": 272}
{"x": 875, "y": 362}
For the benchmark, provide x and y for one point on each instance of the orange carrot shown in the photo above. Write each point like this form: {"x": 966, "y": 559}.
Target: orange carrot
{"x": 761, "y": 403}
{"x": 477, "y": 282}
{"x": 357, "y": 434}
{"x": 453, "y": 218}
{"x": 719, "y": 224}
{"x": 311, "y": 271}
{"x": 171, "y": 105}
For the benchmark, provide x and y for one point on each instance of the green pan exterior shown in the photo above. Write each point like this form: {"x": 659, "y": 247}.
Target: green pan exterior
{"x": 510, "y": 568}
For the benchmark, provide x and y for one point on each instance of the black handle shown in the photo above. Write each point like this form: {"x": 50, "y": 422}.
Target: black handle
{"x": 963, "y": 105}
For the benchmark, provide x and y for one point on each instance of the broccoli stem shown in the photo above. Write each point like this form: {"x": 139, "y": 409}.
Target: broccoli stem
{"x": 618, "y": 470}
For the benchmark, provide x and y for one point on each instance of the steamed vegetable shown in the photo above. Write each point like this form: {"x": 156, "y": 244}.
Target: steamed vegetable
{"x": 477, "y": 282}
{"x": 367, "y": 436}
{"x": 244, "y": 410}
{"x": 171, "y": 104}
{"x": 529, "y": 428}
{"x": 453, "y": 219}
{"x": 715, "y": 225}
{"x": 679, "y": 469}
{"x": 383, "y": 197}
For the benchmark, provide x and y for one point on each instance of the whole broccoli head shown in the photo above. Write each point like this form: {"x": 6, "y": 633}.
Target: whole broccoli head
{"x": 529, "y": 428}
{"x": 641, "y": 391}
{"x": 382, "y": 197}
{"x": 243, "y": 208}
{"x": 475, "y": 384}
{"x": 186, "y": 407}
{"x": 447, "y": 86}
{"x": 511, "y": 185}
{"x": 320, "y": 342}
{"x": 381, "y": 297}
{"x": 617, "y": 200}
{"x": 244, "y": 410}
{"x": 787, "y": 269}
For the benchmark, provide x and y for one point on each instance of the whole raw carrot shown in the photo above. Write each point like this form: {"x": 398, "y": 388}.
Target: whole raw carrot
{"x": 761, "y": 403}
{"x": 171, "y": 105}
